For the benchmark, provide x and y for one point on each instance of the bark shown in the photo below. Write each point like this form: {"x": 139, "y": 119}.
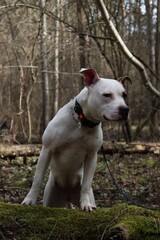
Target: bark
{"x": 56, "y": 99}
{"x": 132, "y": 148}
{"x": 44, "y": 65}
{"x": 157, "y": 39}
{"x": 29, "y": 107}
{"x": 13, "y": 151}
{"x": 82, "y": 58}
{"x": 145, "y": 121}
{"x": 151, "y": 53}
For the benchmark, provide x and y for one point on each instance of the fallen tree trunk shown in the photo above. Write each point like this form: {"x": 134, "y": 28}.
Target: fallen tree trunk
{"x": 13, "y": 151}
{"x": 131, "y": 148}
{"x": 120, "y": 222}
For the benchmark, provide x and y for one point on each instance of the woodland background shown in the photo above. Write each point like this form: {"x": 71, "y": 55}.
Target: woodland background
{"x": 44, "y": 44}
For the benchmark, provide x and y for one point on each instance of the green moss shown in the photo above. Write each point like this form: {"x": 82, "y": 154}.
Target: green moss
{"x": 37, "y": 222}
{"x": 139, "y": 225}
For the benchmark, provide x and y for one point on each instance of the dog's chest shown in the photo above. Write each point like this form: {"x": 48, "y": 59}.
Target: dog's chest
{"x": 83, "y": 138}
{"x": 72, "y": 150}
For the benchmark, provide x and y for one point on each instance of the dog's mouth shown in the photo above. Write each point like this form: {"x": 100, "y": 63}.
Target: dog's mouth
{"x": 115, "y": 118}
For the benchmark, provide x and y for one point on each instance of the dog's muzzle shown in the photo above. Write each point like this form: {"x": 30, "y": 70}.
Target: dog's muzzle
{"x": 123, "y": 112}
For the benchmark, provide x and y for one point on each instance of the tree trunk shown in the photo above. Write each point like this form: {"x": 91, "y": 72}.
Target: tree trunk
{"x": 15, "y": 47}
{"x": 157, "y": 39}
{"x": 56, "y": 99}
{"x": 82, "y": 59}
{"x": 44, "y": 63}
{"x": 151, "y": 53}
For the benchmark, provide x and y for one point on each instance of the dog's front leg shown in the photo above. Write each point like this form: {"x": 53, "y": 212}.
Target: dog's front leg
{"x": 42, "y": 165}
{"x": 87, "y": 201}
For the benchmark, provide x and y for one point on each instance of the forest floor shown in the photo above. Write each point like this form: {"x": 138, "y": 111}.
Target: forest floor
{"x": 137, "y": 176}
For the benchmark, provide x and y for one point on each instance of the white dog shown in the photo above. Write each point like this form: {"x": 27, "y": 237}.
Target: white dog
{"x": 71, "y": 142}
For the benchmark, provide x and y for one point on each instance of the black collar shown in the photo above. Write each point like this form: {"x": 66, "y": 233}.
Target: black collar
{"x": 83, "y": 120}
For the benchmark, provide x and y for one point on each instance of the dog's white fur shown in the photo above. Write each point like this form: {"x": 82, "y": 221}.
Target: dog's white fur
{"x": 71, "y": 151}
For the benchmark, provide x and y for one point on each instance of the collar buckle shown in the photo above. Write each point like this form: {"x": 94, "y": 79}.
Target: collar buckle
{"x": 82, "y": 119}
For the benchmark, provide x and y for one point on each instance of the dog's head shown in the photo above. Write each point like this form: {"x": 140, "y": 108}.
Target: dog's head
{"x": 106, "y": 97}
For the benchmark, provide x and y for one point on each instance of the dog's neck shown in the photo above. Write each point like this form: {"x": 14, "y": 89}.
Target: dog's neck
{"x": 81, "y": 117}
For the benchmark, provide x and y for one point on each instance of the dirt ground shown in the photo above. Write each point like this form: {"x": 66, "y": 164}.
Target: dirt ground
{"x": 137, "y": 177}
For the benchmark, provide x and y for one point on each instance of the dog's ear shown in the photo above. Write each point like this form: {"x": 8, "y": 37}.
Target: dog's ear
{"x": 124, "y": 80}
{"x": 90, "y": 76}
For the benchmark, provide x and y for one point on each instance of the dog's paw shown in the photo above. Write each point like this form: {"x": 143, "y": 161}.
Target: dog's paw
{"x": 28, "y": 201}
{"x": 88, "y": 207}
{"x": 86, "y": 204}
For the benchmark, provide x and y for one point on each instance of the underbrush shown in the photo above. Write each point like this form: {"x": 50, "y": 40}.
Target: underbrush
{"x": 137, "y": 176}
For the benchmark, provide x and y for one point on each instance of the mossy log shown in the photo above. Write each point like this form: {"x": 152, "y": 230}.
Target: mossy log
{"x": 121, "y": 222}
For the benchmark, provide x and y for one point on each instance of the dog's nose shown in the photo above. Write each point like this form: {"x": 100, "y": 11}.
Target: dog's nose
{"x": 123, "y": 112}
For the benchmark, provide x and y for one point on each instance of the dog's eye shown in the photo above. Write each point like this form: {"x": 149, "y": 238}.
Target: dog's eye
{"x": 124, "y": 95}
{"x": 107, "y": 95}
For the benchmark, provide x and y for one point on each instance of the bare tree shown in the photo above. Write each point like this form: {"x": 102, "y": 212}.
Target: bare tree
{"x": 15, "y": 47}
{"x": 82, "y": 58}
{"x": 44, "y": 65}
{"x": 57, "y": 30}
{"x": 157, "y": 43}
{"x": 151, "y": 61}
{"x": 125, "y": 50}
{"x": 72, "y": 35}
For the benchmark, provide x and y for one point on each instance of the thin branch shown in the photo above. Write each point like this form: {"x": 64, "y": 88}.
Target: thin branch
{"x": 137, "y": 63}
{"x": 35, "y": 7}
{"x": 96, "y": 37}
{"x": 17, "y": 66}
{"x": 73, "y": 29}
{"x": 134, "y": 59}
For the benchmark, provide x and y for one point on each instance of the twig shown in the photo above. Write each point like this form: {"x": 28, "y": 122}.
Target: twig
{"x": 2, "y": 236}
